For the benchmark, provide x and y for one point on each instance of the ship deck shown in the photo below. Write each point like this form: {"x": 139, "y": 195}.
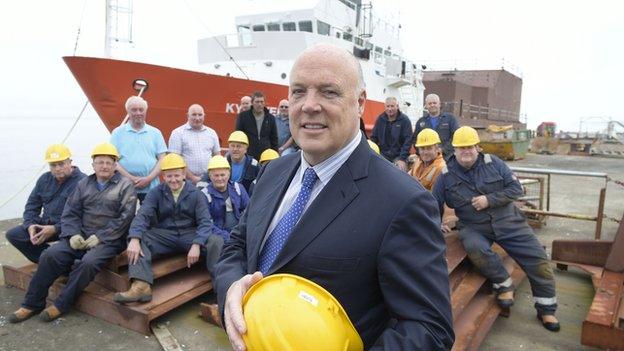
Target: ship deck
{"x": 520, "y": 331}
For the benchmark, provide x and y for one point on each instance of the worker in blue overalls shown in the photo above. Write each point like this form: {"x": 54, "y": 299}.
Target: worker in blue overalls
{"x": 42, "y": 213}
{"x": 482, "y": 189}
{"x": 173, "y": 218}
{"x": 226, "y": 199}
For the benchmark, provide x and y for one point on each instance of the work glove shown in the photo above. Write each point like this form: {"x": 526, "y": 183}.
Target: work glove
{"x": 91, "y": 242}
{"x": 77, "y": 242}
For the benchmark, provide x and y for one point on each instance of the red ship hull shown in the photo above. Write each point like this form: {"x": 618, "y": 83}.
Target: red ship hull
{"x": 108, "y": 83}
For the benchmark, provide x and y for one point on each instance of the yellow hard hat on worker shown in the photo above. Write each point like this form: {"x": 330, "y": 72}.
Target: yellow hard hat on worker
{"x": 57, "y": 153}
{"x": 268, "y": 155}
{"x": 288, "y": 312}
{"x": 238, "y": 137}
{"x": 465, "y": 136}
{"x": 373, "y": 146}
{"x": 172, "y": 161}
{"x": 218, "y": 162}
{"x": 427, "y": 137}
{"x": 105, "y": 149}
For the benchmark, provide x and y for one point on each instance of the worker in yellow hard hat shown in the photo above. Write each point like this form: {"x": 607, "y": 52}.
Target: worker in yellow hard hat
{"x": 244, "y": 167}
{"x": 173, "y": 218}
{"x": 42, "y": 214}
{"x": 267, "y": 156}
{"x": 482, "y": 190}
{"x": 95, "y": 222}
{"x": 430, "y": 162}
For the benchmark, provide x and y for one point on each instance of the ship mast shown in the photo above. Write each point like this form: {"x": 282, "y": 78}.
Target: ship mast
{"x": 118, "y": 24}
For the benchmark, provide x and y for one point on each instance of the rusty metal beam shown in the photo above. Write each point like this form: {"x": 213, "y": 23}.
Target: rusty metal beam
{"x": 589, "y": 252}
{"x": 615, "y": 260}
{"x": 602, "y": 328}
{"x": 559, "y": 214}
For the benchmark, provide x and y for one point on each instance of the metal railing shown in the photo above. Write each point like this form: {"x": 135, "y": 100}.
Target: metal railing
{"x": 542, "y": 177}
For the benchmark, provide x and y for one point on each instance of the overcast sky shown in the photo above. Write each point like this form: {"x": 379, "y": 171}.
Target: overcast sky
{"x": 569, "y": 52}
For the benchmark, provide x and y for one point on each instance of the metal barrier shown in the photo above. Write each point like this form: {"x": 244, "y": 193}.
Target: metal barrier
{"x": 536, "y": 183}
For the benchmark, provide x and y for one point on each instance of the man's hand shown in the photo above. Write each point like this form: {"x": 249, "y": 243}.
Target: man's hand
{"x": 141, "y": 182}
{"x": 445, "y": 228}
{"x": 480, "y": 202}
{"x": 91, "y": 242}
{"x": 401, "y": 165}
{"x": 43, "y": 233}
{"x": 134, "y": 251}
{"x": 77, "y": 242}
{"x": 193, "y": 255}
{"x": 32, "y": 233}
{"x": 233, "y": 309}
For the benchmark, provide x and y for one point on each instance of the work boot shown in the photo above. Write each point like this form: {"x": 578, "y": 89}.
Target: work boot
{"x": 505, "y": 299}
{"x": 49, "y": 314}
{"x": 21, "y": 315}
{"x": 139, "y": 291}
{"x": 549, "y": 321}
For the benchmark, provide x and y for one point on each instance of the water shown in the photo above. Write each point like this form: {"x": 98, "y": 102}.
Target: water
{"x": 23, "y": 143}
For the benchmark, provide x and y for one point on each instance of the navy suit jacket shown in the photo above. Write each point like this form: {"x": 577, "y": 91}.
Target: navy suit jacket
{"x": 371, "y": 238}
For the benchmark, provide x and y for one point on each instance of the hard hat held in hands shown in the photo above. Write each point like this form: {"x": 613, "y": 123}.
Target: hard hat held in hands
{"x": 287, "y": 312}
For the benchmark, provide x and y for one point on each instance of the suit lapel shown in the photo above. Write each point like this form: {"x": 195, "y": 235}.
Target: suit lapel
{"x": 265, "y": 205}
{"x": 329, "y": 204}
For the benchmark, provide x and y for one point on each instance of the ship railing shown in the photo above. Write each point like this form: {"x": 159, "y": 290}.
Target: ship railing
{"x": 463, "y": 109}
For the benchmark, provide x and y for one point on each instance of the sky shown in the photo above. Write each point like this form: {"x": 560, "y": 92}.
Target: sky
{"x": 569, "y": 52}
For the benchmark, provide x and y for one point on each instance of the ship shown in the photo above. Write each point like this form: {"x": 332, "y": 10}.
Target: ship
{"x": 258, "y": 57}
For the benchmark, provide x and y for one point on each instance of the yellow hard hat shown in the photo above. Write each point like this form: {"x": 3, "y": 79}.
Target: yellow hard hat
{"x": 218, "y": 162}
{"x": 268, "y": 155}
{"x": 465, "y": 136}
{"x": 287, "y": 312}
{"x": 172, "y": 161}
{"x": 238, "y": 137}
{"x": 57, "y": 153}
{"x": 427, "y": 137}
{"x": 105, "y": 149}
{"x": 373, "y": 146}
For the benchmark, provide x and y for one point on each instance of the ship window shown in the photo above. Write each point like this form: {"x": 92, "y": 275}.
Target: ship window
{"x": 273, "y": 27}
{"x": 305, "y": 26}
{"x": 368, "y": 46}
{"x": 387, "y": 53}
{"x": 258, "y": 28}
{"x": 378, "y": 49}
{"x": 359, "y": 41}
{"x": 322, "y": 28}
{"x": 338, "y": 35}
{"x": 347, "y": 36}
{"x": 289, "y": 26}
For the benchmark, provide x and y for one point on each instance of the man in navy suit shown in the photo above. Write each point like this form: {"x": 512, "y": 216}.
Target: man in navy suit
{"x": 342, "y": 216}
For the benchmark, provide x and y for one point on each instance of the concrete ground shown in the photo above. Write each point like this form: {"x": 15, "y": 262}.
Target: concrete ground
{"x": 521, "y": 331}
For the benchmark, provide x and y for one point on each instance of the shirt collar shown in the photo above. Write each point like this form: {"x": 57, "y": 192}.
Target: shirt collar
{"x": 326, "y": 169}
{"x": 130, "y": 129}
{"x": 188, "y": 127}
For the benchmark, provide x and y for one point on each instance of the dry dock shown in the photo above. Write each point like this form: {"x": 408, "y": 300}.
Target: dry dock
{"x": 521, "y": 331}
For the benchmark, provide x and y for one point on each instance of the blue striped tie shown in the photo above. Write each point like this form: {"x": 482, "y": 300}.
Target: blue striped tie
{"x": 277, "y": 238}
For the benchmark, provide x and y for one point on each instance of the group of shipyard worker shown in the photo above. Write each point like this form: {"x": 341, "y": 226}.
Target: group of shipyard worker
{"x": 326, "y": 208}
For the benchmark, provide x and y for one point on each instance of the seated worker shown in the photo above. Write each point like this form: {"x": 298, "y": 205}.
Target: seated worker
{"x": 173, "y": 218}
{"x": 226, "y": 199}
{"x": 482, "y": 189}
{"x": 431, "y": 162}
{"x": 42, "y": 213}
{"x": 244, "y": 167}
{"x": 94, "y": 225}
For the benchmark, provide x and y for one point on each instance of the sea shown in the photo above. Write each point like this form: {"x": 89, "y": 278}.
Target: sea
{"x": 23, "y": 141}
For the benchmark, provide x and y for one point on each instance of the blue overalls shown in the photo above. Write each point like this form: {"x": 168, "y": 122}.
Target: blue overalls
{"x": 502, "y": 223}
{"x": 166, "y": 226}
